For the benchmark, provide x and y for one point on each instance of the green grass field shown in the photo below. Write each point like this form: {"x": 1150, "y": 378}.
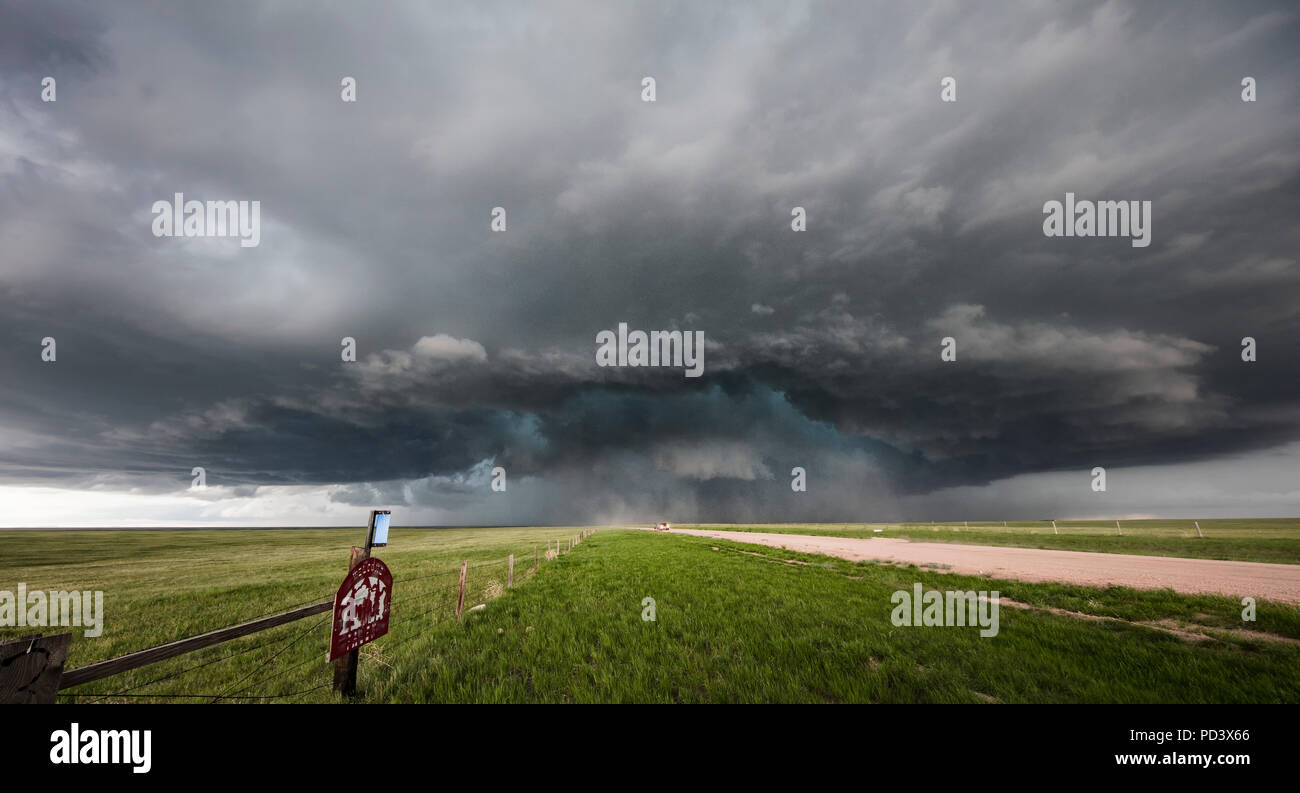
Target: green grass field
{"x": 735, "y": 623}
{"x": 1262, "y": 540}
{"x": 160, "y": 586}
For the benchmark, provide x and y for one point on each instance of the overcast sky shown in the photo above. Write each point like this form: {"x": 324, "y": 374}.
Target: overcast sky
{"x": 477, "y": 349}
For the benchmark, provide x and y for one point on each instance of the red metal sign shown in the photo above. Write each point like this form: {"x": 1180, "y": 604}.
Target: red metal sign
{"x": 361, "y": 607}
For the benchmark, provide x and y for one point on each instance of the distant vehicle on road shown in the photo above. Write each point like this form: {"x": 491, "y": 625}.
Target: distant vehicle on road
{"x": 665, "y": 526}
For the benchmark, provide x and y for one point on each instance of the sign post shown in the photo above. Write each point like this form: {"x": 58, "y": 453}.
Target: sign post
{"x": 31, "y": 668}
{"x": 361, "y": 609}
{"x": 361, "y": 605}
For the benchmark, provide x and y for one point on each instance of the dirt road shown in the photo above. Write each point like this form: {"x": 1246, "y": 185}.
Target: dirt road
{"x": 1279, "y": 582}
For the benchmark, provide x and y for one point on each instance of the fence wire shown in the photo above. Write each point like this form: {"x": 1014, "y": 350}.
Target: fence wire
{"x": 443, "y": 596}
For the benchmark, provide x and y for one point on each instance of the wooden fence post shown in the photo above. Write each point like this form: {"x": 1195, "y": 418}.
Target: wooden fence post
{"x": 345, "y": 667}
{"x": 31, "y": 668}
{"x": 460, "y": 597}
{"x": 510, "y": 576}
{"x": 1198, "y": 529}
{"x": 1054, "y": 531}
{"x": 1118, "y": 529}
{"x": 534, "y": 558}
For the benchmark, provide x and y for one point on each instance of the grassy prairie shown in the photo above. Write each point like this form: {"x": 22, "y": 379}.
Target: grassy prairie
{"x": 735, "y": 623}
{"x": 1262, "y": 540}
{"x": 740, "y": 623}
{"x": 160, "y": 586}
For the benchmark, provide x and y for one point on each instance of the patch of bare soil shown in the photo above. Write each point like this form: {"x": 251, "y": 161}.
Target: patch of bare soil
{"x": 1189, "y": 633}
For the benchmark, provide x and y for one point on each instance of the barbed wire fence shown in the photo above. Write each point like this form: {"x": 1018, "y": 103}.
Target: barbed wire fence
{"x": 281, "y": 651}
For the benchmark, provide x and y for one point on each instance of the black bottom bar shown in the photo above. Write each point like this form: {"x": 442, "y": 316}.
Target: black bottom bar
{"x": 340, "y": 746}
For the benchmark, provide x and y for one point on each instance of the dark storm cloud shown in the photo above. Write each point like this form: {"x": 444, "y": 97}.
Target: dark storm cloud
{"x": 477, "y": 349}
{"x": 38, "y": 36}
